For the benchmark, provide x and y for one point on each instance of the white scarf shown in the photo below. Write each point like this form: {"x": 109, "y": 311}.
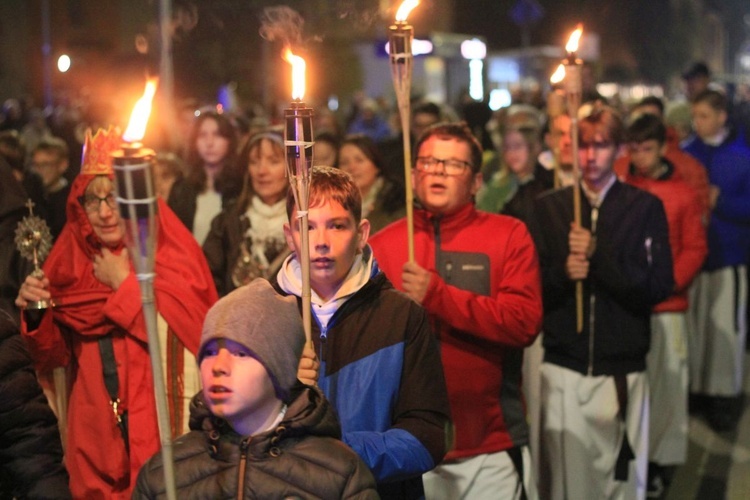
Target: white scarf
{"x": 266, "y": 226}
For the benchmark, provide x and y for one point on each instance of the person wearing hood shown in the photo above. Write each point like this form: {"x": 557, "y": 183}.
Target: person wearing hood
{"x": 257, "y": 432}
{"x": 97, "y": 330}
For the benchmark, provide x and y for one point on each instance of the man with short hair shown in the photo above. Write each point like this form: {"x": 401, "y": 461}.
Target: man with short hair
{"x": 594, "y": 388}
{"x": 256, "y": 431}
{"x": 477, "y": 276}
{"x": 718, "y": 327}
{"x": 376, "y": 360}
{"x": 666, "y": 363}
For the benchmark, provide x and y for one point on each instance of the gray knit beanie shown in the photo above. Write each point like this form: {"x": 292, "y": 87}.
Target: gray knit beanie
{"x": 267, "y": 323}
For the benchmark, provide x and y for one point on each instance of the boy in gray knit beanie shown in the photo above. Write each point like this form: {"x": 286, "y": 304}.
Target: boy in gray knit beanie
{"x": 266, "y": 324}
{"x": 256, "y": 431}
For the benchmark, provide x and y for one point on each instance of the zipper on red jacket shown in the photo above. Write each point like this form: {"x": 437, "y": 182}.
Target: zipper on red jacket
{"x": 436, "y": 326}
{"x": 241, "y": 470}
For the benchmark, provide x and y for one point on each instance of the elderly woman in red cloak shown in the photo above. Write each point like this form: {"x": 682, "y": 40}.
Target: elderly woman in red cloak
{"x": 96, "y": 329}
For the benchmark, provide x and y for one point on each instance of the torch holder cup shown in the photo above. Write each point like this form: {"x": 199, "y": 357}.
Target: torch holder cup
{"x": 134, "y": 186}
{"x": 400, "y": 36}
{"x": 298, "y": 140}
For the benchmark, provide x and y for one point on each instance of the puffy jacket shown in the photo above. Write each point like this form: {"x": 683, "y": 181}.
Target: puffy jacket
{"x": 687, "y": 234}
{"x": 302, "y": 457}
{"x": 30, "y": 448}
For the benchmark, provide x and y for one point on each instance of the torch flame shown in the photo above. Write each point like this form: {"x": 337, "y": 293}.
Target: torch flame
{"x": 141, "y": 111}
{"x": 558, "y": 75}
{"x": 572, "y": 45}
{"x": 405, "y": 9}
{"x": 298, "y": 74}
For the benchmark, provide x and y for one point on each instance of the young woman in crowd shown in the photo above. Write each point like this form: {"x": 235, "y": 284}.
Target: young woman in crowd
{"x": 211, "y": 179}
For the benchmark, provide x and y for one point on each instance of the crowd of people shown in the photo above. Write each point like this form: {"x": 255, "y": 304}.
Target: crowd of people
{"x": 535, "y": 334}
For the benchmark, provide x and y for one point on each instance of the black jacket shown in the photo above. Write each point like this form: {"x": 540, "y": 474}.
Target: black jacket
{"x": 30, "y": 448}
{"x": 629, "y": 273}
{"x": 302, "y": 457}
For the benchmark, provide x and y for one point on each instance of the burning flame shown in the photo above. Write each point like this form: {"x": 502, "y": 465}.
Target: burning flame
{"x": 572, "y": 45}
{"x": 405, "y": 9}
{"x": 141, "y": 111}
{"x": 298, "y": 74}
{"x": 558, "y": 75}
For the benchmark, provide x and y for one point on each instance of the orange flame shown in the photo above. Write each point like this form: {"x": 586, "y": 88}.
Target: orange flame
{"x": 575, "y": 37}
{"x": 558, "y": 75}
{"x": 405, "y": 8}
{"x": 298, "y": 74}
{"x": 141, "y": 111}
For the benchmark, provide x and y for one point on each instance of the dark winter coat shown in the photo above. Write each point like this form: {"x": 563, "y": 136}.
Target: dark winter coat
{"x": 302, "y": 457}
{"x": 30, "y": 448}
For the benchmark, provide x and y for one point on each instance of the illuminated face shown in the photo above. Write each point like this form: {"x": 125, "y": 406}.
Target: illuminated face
{"x": 707, "y": 121}
{"x": 439, "y": 192}
{"x": 101, "y": 211}
{"x": 267, "y": 171}
{"x": 236, "y": 386}
{"x": 562, "y": 144}
{"x": 355, "y": 163}
{"x": 212, "y": 147}
{"x": 335, "y": 239}
{"x": 646, "y": 156}
{"x": 49, "y": 166}
{"x": 516, "y": 154}
{"x": 596, "y": 154}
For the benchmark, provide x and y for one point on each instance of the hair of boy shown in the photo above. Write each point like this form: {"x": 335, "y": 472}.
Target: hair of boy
{"x": 647, "y": 128}
{"x": 267, "y": 324}
{"x": 458, "y": 131}
{"x": 604, "y": 119}
{"x": 428, "y": 108}
{"x": 329, "y": 184}
{"x": 652, "y": 100}
{"x": 715, "y": 99}
{"x": 53, "y": 145}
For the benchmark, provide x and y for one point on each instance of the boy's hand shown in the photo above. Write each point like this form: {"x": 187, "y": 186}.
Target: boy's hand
{"x": 112, "y": 269}
{"x": 32, "y": 290}
{"x": 580, "y": 241}
{"x": 577, "y": 266}
{"x": 415, "y": 280}
{"x": 309, "y": 366}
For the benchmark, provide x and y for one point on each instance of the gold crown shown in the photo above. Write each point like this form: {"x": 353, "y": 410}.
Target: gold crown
{"x": 98, "y": 149}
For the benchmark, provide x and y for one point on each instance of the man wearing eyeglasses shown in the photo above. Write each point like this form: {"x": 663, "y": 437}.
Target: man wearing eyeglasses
{"x": 594, "y": 395}
{"x": 477, "y": 276}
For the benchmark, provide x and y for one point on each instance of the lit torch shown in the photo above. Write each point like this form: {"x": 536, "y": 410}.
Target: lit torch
{"x": 573, "y": 89}
{"x": 298, "y": 144}
{"x": 137, "y": 204}
{"x": 399, "y": 45}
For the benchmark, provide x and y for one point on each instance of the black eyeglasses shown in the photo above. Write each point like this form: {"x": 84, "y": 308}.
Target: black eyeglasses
{"x": 428, "y": 164}
{"x": 92, "y": 202}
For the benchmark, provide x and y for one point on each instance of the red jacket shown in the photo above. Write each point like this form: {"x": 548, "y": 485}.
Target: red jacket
{"x": 687, "y": 233}
{"x": 685, "y": 166}
{"x": 482, "y": 336}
